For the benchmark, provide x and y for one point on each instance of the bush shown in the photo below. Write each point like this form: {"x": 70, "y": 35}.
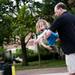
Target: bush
{"x": 33, "y": 56}
{"x": 2, "y": 53}
{"x": 18, "y": 53}
{"x": 44, "y": 55}
{"x": 2, "y": 49}
{"x": 49, "y": 56}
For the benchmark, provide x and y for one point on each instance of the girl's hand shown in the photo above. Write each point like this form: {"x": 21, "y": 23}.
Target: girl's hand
{"x": 48, "y": 47}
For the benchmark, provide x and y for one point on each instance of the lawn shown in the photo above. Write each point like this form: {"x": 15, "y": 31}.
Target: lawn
{"x": 42, "y": 64}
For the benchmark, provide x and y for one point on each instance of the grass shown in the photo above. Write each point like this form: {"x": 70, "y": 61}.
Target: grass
{"x": 43, "y": 64}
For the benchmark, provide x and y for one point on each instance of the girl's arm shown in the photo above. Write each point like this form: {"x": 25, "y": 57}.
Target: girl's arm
{"x": 44, "y": 35}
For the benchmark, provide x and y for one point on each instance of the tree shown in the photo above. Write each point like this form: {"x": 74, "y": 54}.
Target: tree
{"x": 71, "y": 2}
{"x": 23, "y": 24}
{"x": 5, "y": 21}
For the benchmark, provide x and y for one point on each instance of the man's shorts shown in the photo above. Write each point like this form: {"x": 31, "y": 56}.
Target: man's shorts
{"x": 70, "y": 62}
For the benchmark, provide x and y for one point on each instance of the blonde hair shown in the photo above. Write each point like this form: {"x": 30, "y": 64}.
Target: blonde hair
{"x": 45, "y": 23}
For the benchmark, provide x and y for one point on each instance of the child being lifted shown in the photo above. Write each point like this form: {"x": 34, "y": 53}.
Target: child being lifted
{"x": 44, "y": 33}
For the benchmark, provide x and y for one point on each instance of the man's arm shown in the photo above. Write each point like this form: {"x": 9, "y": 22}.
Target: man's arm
{"x": 55, "y": 24}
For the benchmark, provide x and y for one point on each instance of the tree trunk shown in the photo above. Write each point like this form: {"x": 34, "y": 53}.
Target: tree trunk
{"x": 24, "y": 52}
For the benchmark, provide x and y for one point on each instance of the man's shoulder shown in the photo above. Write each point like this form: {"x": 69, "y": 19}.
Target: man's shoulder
{"x": 66, "y": 14}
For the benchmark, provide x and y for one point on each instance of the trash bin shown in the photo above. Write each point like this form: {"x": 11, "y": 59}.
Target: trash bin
{"x": 6, "y": 66}
{"x": 7, "y": 69}
{"x": 1, "y": 68}
{"x": 8, "y": 61}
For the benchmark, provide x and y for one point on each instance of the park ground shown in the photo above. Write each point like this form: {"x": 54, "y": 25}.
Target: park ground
{"x": 44, "y": 71}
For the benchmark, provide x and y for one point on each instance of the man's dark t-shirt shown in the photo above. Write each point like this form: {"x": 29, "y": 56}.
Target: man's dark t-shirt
{"x": 65, "y": 25}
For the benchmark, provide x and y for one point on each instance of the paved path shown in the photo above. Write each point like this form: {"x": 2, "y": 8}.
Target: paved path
{"x": 55, "y": 74}
{"x": 46, "y": 71}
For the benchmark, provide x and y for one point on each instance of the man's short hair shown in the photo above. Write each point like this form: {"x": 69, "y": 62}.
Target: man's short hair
{"x": 61, "y": 5}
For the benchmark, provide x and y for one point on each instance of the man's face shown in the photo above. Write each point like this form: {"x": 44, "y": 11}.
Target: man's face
{"x": 57, "y": 11}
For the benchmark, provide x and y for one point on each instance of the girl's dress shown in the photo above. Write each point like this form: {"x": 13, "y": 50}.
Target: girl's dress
{"x": 51, "y": 40}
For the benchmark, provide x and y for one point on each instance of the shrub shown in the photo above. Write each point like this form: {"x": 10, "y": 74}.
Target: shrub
{"x": 18, "y": 53}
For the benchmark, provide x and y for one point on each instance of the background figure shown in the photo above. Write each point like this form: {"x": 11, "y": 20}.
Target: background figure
{"x": 65, "y": 25}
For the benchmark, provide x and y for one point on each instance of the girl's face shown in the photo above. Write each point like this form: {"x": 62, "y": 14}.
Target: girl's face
{"x": 41, "y": 26}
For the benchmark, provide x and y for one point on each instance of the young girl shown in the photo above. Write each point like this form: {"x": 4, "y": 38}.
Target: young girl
{"x": 45, "y": 34}
{"x": 42, "y": 27}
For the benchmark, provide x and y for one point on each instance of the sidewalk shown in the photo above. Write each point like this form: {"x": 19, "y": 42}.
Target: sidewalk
{"x": 55, "y": 74}
{"x": 46, "y": 71}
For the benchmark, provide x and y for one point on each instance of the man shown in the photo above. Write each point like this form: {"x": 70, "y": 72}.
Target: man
{"x": 65, "y": 25}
